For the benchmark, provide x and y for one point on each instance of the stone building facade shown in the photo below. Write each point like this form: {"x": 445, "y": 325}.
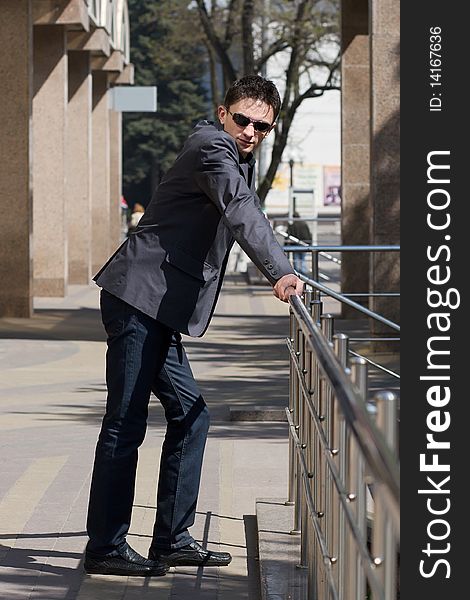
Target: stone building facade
{"x": 370, "y": 160}
{"x": 60, "y": 143}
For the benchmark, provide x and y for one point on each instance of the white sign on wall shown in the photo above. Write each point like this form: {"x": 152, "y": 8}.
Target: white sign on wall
{"x": 133, "y": 98}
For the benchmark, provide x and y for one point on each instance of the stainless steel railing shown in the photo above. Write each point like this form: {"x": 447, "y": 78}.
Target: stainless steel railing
{"x": 320, "y": 290}
{"x": 343, "y": 465}
{"x": 301, "y": 246}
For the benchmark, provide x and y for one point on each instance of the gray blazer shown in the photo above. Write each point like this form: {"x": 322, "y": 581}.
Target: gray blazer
{"x": 172, "y": 267}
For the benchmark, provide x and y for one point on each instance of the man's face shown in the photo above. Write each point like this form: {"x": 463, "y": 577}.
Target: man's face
{"x": 246, "y": 137}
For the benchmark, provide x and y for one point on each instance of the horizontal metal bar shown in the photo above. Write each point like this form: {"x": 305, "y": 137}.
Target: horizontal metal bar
{"x": 381, "y": 461}
{"x": 320, "y": 275}
{"x": 371, "y": 362}
{"x": 322, "y": 248}
{"x": 341, "y": 298}
{"x": 374, "y": 339}
{"x": 318, "y": 219}
{"x": 303, "y": 244}
{"x": 373, "y": 295}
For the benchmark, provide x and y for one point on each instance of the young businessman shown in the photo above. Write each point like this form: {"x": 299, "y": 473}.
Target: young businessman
{"x": 164, "y": 281}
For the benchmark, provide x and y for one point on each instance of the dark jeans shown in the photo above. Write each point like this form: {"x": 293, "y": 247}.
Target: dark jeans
{"x": 143, "y": 356}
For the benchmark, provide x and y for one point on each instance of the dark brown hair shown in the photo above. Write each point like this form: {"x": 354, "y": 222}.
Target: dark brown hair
{"x": 256, "y": 87}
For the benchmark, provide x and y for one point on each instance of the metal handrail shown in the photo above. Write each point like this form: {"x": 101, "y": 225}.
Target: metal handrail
{"x": 345, "y": 300}
{"x": 309, "y": 219}
{"x": 374, "y": 364}
{"x": 304, "y": 246}
{"x": 343, "y": 464}
{"x": 323, "y": 249}
{"x": 373, "y": 295}
{"x": 380, "y": 460}
{"x": 330, "y": 248}
{"x": 300, "y": 242}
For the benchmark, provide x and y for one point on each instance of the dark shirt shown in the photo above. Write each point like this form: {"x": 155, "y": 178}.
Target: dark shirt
{"x": 247, "y": 165}
{"x": 300, "y": 230}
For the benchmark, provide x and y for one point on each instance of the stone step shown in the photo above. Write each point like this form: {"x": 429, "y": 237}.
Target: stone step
{"x": 258, "y": 413}
{"x": 279, "y": 552}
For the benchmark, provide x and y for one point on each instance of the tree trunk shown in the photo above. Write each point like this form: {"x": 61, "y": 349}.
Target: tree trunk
{"x": 229, "y": 71}
{"x": 215, "y": 93}
{"x": 247, "y": 37}
{"x": 280, "y": 142}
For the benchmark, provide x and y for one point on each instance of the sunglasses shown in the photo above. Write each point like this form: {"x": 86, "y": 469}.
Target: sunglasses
{"x": 244, "y": 121}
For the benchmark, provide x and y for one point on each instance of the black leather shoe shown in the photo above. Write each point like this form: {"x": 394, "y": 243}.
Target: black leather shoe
{"x": 192, "y": 555}
{"x": 127, "y": 562}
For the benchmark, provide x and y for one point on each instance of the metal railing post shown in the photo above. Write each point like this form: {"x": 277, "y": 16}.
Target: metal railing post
{"x": 339, "y": 436}
{"x": 298, "y": 423}
{"x": 327, "y": 327}
{"x": 357, "y": 490}
{"x": 308, "y": 370}
{"x": 315, "y": 273}
{"x": 292, "y": 451}
{"x": 383, "y": 536}
{"x": 315, "y": 574}
{"x": 304, "y": 441}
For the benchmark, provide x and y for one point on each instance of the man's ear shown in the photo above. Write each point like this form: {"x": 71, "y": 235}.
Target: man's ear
{"x": 222, "y": 113}
{"x": 271, "y": 128}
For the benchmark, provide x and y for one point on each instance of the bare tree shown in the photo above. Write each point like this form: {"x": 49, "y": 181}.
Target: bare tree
{"x": 302, "y": 36}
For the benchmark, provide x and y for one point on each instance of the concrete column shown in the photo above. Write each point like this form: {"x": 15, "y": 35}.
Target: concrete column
{"x": 15, "y": 158}
{"x": 115, "y": 173}
{"x": 385, "y": 150}
{"x": 49, "y": 127}
{"x": 355, "y": 140}
{"x": 78, "y": 192}
{"x": 100, "y": 186}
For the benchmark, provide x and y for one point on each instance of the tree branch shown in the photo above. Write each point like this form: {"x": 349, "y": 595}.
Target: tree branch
{"x": 315, "y": 91}
{"x": 292, "y": 71}
{"x": 213, "y": 38}
{"x": 274, "y": 48}
{"x": 230, "y": 26}
{"x": 215, "y": 93}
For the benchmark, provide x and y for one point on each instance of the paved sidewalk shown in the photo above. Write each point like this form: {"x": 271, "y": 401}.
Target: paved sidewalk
{"x": 51, "y": 401}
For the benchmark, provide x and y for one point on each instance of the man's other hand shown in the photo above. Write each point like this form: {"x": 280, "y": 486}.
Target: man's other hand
{"x": 287, "y": 286}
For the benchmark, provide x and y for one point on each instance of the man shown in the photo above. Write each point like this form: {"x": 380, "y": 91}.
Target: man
{"x": 300, "y": 230}
{"x": 164, "y": 281}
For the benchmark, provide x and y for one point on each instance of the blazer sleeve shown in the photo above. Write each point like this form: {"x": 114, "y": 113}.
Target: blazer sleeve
{"x": 218, "y": 176}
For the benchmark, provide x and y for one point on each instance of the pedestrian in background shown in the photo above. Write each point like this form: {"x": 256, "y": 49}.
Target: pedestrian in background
{"x": 162, "y": 282}
{"x": 300, "y": 230}
{"x": 137, "y": 213}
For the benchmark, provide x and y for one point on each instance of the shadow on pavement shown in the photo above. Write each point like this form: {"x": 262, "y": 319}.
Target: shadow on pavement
{"x": 83, "y": 324}
{"x": 31, "y": 568}
{"x": 22, "y": 567}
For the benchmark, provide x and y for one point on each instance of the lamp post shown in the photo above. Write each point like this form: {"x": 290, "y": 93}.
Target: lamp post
{"x": 291, "y": 191}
